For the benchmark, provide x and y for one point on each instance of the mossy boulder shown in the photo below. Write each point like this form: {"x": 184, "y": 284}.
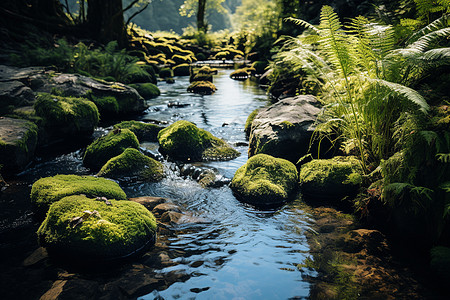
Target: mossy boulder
{"x": 265, "y": 180}
{"x": 182, "y": 70}
{"x": 134, "y": 165}
{"x": 184, "y": 141}
{"x": 139, "y": 76}
{"x": 201, "y": 77}
{"x": 108, "y": 146}
{"x": 440, "y": 263}
{"x": 248, "y": 122}
{"x": 207, "y": 70}
{"x": 202, "y": 87}
{"x": 107, "y": 106}
{"x": 331, "y": 179}
{"x": 165, "y": 73}
{"x": 145, "y": 132}
{"x": 182, "y": 59}
{"x": 48, "y": 190}
{"x": 147, "y": 90}
{"x": 240, "y": 74}
{"x": 18, "y": 140}
{"x": 66, "y": 116}
{"x": 108, "y": 230}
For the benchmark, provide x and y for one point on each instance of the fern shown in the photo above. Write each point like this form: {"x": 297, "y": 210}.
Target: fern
{"x": 443, "y": 157}
{"x": 437, "y": 24}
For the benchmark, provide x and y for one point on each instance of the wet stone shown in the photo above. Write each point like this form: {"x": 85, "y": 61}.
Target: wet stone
{"x": 164, "y": 207}
{"x": 73, "y": 289}
{"x": 149, "y": 202}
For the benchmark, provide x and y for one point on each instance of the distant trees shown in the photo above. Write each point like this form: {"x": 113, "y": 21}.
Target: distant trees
{"x": 200, "y": 9}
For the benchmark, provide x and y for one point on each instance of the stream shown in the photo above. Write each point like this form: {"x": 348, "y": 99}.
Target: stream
{"x": 237, "y": 252}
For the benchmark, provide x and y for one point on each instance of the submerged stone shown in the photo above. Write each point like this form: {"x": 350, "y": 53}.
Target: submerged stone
{"x": 48, "y": 190}
{"x": 265, "y": 180}
{"x": 184, "y": 141}
{"x": 109, "y": 146}
{"x": 331, "y": 178}
{"x": 18, "y": 140}
{"x": 133, "y": 164}
{"x": 108, "y": 231}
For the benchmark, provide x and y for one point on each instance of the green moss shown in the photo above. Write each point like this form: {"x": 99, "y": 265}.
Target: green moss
{"x": 133, "y": 164}
{"x": 182, "y": 70}
{"x": 222, "y": 55}
{"x": 106, "y": 147}
{"x": 48, "y": 190}
{"x": 143, "y": 131}
{"x": 165, "y": 73}
{"x": 207, "y": 70}
{"x": 248, "y": 123}
{"x": 335, "y": 178}
{"x": 265, "y": 180}
{"x": 147, "y": 90}
{"x": 184, "y": 141}
{"x": 286, "y": 124}
{"x": 201, "y": 77}
{"x": 59, "y": 111}
{"x": 240, "y": 74}
{"x": 202, "y": 87}
{"x": 106, "y": 105}
{"x": 115, "y": 231}
{"x": 181, "y": 59}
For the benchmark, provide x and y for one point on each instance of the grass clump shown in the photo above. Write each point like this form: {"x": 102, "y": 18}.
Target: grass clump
{"x": 133, "y": 164}
{"x": 108, "y": 230}
{"x": 106, "y": 147}
{"x": 48, "y": 190}
{"x": 184, "y": 141}
{"x": 265, "y": 180}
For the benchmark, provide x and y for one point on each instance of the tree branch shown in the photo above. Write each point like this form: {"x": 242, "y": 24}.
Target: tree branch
{"x": 131, "y": 5}
{"x": 135, "y": 14}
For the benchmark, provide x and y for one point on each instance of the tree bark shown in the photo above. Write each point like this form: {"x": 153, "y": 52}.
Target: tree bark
{"x": 105, "y": 21}
{"x": 201, "y": 24}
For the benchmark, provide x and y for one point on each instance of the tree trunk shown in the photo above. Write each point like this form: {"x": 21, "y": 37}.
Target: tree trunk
{"x": 201, "y": 24}
{"x": 105, "y": 21}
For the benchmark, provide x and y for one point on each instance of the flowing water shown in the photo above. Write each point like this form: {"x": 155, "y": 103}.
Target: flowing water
{"x": 238, "y": 252}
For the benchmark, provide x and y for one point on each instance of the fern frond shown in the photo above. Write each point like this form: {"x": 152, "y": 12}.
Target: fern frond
{"x": 443, "y": 157}
{"x": 437, "y": 24}
{"x": 439, "y": 55}
{"x": 302, "y": 23}
{"x": 407, "y": 93}
{"x": 425, "y": 41}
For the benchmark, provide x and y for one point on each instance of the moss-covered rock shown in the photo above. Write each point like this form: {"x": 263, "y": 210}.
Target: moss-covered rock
{"x": 240, "y": 74}
{"x": 201, "y": 77}
{"x": 248, "y": 122}
{"x": 48, "y": 190}
{"x": 89, "y": 230}
{"x": 182, "y": 59}
{"x": 144, "y": 131}
{"x": 107, "y": 106}
{"x": 202, "y": 87}
{"x": 108, "y": 146}
{"x": 165, "y": 73}
{"x": 66, "y": 116}
{"x": 132, "y": 164}
{"x": 18, "y": 140}
{"x": 331, "y": 179}
{"x": 207, "y": 70}
{"x": 182, "y": 70}
{"x": 265, "y": 180}
{"x": 147, "y": 90}
{"x": 184, "y": 141}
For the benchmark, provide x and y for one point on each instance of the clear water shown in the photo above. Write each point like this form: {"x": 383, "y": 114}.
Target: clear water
{"x": 239, "y": 252}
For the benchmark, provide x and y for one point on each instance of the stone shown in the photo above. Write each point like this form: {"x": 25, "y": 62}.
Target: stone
{"x": 186, "y": 142}
{"x": 14, "y": 93}
{"x": 149, "y": 202}
{"x": 331, "y": 179}
{"x": 109, "y": 146}
{"x": 72, "y": 289}
{"x": 147, "y": 90}
{"x": 48, "y": 190}
{"x": 265, "y": 181}
{"x": 159, "y": 209}
{"x": 144, "y": 131}
{"x": 115, "y": 229}
{"x": 18, "y": 140}
{"x": 132, "y": 165}
{"x": 182, "y": 70}
{"x": 202, "y": 87}
{"x": 284, "y": 129}
{"x": 66, "y": 117}
{"x": 36, "y": 257}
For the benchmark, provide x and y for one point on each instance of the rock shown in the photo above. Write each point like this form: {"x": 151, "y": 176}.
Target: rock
{"x": 3, "y": 184}
{"x": 171, "y": 217}
{"x": 165, "y": 73}
{"x": 331, "y": 179}
{"x": 144, "y": 131}
{"x": 109, "y": 146}
{"x": 138, "y": 282}
{"x": 149, "y": 202}
{"x": 440, "y": 263}
{"x": 201, "y": 77}
{"x": 184, "y": 141}
{"x": 146, "y": 90}
{"x": 265, "y": 181}
{"x": 160, "y": 209}
{"x": 113, "y": 231}
{"x": 14, "y": 94}
{"x": 66, "y": 117}
{"x": 72, "y": 289}
{"x": 182, "y": 70}
{"x": 371, "y": 241}
{"x": 240, "y": 74}
{"x": 202, "y": 87}
{"x": 75, "y": 85}
{"x": 36, "y": 257}
{"x": 249, "y": 121}
{"x": 132, "y": 164}
{"x": 18, "y": 140}
{"x": 284, "y": 129}
{"x": 48, "y": 190}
